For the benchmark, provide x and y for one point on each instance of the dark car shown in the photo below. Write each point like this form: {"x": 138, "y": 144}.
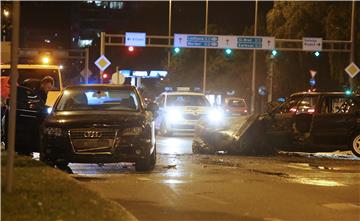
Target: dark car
{"x": 315, "y": 121}
{"x": 100, "y": 124}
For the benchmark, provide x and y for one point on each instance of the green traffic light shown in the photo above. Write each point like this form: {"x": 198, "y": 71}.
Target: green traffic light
{"x": 274, "y": 53}
{"x": 348, "y": 92}
{"x": 228, "y": 51}
{"x": 177, "y": 50}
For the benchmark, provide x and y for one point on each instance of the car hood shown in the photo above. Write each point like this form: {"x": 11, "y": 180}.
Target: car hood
{"x": 72, "y": 119}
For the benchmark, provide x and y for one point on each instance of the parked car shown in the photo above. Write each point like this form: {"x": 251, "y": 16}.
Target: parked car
{"x": 315, "y": 121}
{"x": 235, "y": 106}
{"x": 180, "y": 111}
{"x": 100, "y": 124}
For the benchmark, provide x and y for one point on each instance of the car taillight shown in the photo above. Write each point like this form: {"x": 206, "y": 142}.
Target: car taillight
{"x": 293, "y": 109}
{"x": 311, "y": 110}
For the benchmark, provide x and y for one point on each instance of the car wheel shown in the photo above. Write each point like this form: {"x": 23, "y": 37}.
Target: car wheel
{"x": 147, "y": 163}
{"x": 163, "y": 130}
{"x": 355, "y": 145}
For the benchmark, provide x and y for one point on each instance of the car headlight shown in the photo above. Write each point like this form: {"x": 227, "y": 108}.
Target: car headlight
{"x": 53, "y": 131}
{"x": 174, "y": 116}
{"x": 215, "y": 116}
{"x": 134, "y": 131}
{"x": 49, "y": 110}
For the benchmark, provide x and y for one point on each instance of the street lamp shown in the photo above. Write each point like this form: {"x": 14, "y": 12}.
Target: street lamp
{"x": 45, "y": 60}
{"x": 6, "y": 13}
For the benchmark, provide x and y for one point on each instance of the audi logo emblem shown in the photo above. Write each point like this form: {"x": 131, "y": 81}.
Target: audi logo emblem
{"x": 92, "y": 134}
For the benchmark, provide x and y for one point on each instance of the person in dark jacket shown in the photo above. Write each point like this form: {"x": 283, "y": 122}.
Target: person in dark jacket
{"x": 46, "y": 84}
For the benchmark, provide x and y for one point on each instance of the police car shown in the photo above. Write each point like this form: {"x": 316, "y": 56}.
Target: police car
{"x": 181, "y": 110}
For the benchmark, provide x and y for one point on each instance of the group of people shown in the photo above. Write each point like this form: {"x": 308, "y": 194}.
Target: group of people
{"x": 41, "y": 90}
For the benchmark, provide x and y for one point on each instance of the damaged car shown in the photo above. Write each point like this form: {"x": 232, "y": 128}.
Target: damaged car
{"x": 306, "y": 121}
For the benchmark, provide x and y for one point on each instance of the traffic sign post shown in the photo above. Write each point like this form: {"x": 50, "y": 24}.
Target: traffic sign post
{"x": 352, "y": 70}
{"x": 223, "y": 42}
{"x": 312, "y": 44}
{"x": 102, "y": 63}
{"x": 137, "y": 39}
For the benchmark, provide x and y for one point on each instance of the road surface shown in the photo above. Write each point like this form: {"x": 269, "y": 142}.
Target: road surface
{"x": 183, "y": 186}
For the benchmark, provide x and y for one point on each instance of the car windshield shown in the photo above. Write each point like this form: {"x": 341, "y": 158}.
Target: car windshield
{"x": 98, "y": 99}
{"x": 26, "y": 76}
{"x": 187, "y": 100}
{"x": 236, "y": 103}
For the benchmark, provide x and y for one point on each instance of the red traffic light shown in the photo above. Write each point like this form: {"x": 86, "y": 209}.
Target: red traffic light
{"x": 131, "y": 48}
{"x": 105, "y": 76}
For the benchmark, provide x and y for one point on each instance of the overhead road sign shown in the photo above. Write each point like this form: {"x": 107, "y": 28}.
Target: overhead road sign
{"x": 250, "y": 42}
{"x": 223, "y": 41}
{"x": 102, "y": 63}
{"x": 312, "y": 44}
{"x": 352, "y": 70}
{"x": 137, "y": 39}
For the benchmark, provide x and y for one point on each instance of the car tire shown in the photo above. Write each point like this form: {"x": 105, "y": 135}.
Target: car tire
{"x": 355, "y": 144}
{"x": 163, "y": 130}
{"x": 147, "y": 163}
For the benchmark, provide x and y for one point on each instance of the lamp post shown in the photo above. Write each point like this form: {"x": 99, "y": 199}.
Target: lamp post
{"x": 205, "y": 50}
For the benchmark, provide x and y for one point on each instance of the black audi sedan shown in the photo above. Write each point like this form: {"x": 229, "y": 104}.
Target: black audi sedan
{"x": 100, "y": 124}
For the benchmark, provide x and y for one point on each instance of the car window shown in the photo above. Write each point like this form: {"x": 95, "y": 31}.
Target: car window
{"x": 287, "y": 106}
{"x": 187, "y": 100}
{"x": 236, "y": 103}
{"x": 339, "y": 105}
{"x": 306, "y": 105}
{"x": 104, "y": 99}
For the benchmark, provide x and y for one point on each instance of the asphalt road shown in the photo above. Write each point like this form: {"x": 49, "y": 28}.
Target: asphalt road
{"x": 183, "y": 186}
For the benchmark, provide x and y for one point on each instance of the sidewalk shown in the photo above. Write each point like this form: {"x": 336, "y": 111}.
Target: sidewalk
{"x": 44, "y": 193}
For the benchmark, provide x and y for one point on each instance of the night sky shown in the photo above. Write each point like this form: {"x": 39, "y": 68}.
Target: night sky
{"x": 150, "y": 17}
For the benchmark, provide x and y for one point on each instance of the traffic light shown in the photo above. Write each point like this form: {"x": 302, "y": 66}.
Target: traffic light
{"x": 105, "y": 77}
{"x": 274, "y": 53}
{"x": 228, "y": 52}
{"x": 177, "y": 50}
{"x": 348, "y": 91}
{"x": 130, "y": 48}
{"x": 317, "y": 54}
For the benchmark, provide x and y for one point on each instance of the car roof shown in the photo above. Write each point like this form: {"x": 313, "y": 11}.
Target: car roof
{"x": 321, "y": 93}
{"x": 183, "y": 93}
{"x": 99, "y": 86}
{"x": 31, "y": 66}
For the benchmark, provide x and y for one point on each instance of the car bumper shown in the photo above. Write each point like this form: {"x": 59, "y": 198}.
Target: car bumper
{"x": 130, "y": 149}
{"x": 187, "y": 126}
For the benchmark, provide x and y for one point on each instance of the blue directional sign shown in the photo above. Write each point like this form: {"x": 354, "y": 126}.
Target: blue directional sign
{"x": 202, "y": 41}
{"x": 202, "y": 38}
{"x": 249, "y": 42}
{"x": 202, "y": 44}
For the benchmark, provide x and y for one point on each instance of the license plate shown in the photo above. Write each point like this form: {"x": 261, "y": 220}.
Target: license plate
{"x": 86, "y": 144}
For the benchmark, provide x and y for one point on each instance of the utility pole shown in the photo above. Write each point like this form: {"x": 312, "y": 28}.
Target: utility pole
{"x": 87, "y": 65}
{"x": 205, "y": 50}
{"x": 253, "y": 93}
{"x": 102, "y": 51}
{"x": 169, "y": 35}
{"x": 270, "y": 76}
{"x": 13, "y": 95}
{"x": 352, "y": 39}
